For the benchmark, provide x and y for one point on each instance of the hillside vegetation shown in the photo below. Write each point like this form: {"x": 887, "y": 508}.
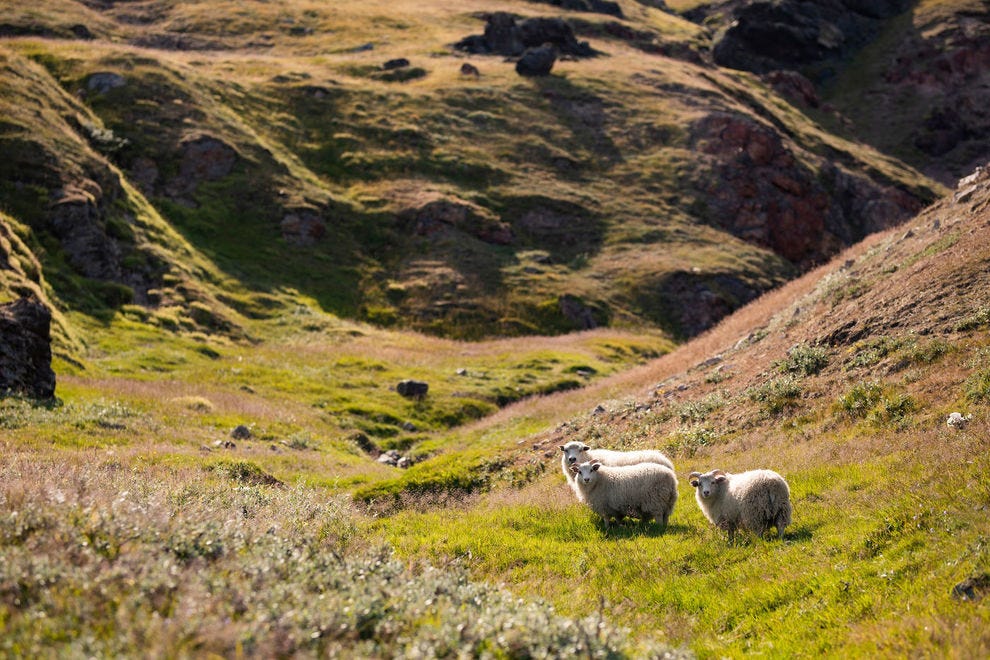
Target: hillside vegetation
{"x": 250, "y": 230}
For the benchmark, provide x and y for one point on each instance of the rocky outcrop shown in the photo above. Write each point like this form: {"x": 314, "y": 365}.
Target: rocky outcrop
{"x": 25, "y": 349}
{"x": 754, "y": 186}
{"x": 203, "y": 158}
{"x": 794, "y": 34}
{"x": 303, "y": 227}
{"x": 505, "y": 36}
{"x": 429, "y": 214}
{"x": 76, "y": 219}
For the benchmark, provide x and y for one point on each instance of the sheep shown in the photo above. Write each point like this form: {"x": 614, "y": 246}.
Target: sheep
{"x": 958, "y": 420}
{"x": 576, "y": 453}
{"x": 755, "y": 500}
{"x": 646, "y": 491}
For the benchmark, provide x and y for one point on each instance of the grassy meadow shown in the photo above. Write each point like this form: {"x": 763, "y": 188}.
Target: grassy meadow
{"x": 130, "y": 526}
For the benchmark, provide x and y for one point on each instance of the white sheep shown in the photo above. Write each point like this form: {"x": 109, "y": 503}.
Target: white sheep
{"x": 958, "y": 420}
{"x": 755, "y": 500}
{"x": 576, "y": 453}
{"x": 646, "y": 491}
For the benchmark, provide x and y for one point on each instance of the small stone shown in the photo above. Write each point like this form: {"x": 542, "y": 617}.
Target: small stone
{"x": 240, "y": 432}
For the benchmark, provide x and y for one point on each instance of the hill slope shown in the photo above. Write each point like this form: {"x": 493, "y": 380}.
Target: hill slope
{"x": 641, "y": 185}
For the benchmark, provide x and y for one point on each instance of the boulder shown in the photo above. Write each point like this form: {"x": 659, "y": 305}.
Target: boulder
{"x": 25, "y": 349}
{"x": 537, "y": 61}
{"x": 303, "y": 227}
{"x": 396, "y": 63}
{"x": 412, "y": 389}
{"x": 103, "y": 81}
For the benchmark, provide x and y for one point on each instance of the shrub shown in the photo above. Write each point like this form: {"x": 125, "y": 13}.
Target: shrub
{"x": 977, "y": 387}
{"x": 859, "y": 401}
{"x": 979, "y": 319}
{"x": 776, "y": 396}
{"x": 803, "y": 360}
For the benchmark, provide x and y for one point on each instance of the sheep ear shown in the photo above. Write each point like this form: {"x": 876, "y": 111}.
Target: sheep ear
{"x": 595, "y": 466}
{"x": 563, "y": 448}
{"x": 585, "y": 448}
{"x": 694, "y": 483}
{"x": 720, "y": 478}
{"x": 575, "y": 469}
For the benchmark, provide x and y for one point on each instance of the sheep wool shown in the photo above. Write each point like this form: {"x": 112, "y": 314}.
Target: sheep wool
{"x": 755, "y": 500}
{"x": 647, "y": 491}
{"x": 576, "y": 453}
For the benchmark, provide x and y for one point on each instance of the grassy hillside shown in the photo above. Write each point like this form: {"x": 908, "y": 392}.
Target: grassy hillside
{"x": 271, "y": 139}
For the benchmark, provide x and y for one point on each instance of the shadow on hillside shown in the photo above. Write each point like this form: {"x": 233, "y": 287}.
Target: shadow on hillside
{"x": 633, "y": 529}
{"x": 584, "y": 114}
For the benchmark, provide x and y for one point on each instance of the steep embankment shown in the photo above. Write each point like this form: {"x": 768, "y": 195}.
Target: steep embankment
{"x": 343, "y": 154}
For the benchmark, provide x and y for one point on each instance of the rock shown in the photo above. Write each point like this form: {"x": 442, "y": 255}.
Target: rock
{"x": 794, "y": 87}
{"x": 462, "y": 372}
{"x": 468, "y": 69}
{"x": 303, "y": 227}
{"x": 537, "y": 61}
{"x": 429, "y": 214}
{"x": 756, "y": 188}
{"x": 25, "y": 349}
{"x": 785, "y": 34}
{"x": 575, "y": 311}
{"x": 972, "y": 588}
{"x": 397, "y": 63}
{"x": 241, "y": 432}
{"x": 403, "y": 462}
{"x": 225, "y": 444}
{"x": 75, "y": 218}
{"x": 412, "y": 389}
{"x": 409, "y": 427}
{"x": 203, "y": 158}
{"x": 504, "y": 36}
{"x": 103, "y": 81}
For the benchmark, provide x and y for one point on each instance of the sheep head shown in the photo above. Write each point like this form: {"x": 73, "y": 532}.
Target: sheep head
{"x": 586, "y": 471}
{"x": 708, "y": 484}
{"x": 573, "y": 450}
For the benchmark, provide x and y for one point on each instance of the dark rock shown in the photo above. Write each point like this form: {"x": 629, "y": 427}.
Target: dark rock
{"x": 972, "y": 588}
{"x": 504, "y": 36}
{"x": 794, "y": 87}
{"x": 25, "y": 349}
{"x": 241, "y": 432}
{"x": 412, "y": 389}
{"x": 75, "y": 218}
{"x": 303, "y": 227}
{"x": 203, "y": 158}
{"x": 103, "y": 81}
{"x": 397, "y": 63}
{"x": 431, "y": 215}
{"x": 787, "y": 34}
{"x": 81, "y": 31}
{"x": 537, "y": 61}
{"x": 575, "y": 311}
{"x": 468, "y": 69}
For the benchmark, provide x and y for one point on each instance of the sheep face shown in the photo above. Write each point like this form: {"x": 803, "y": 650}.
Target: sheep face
{"x": 585, "y": 472}
{"x": 573, "y": 450}
{"x": 710, "y": 484}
